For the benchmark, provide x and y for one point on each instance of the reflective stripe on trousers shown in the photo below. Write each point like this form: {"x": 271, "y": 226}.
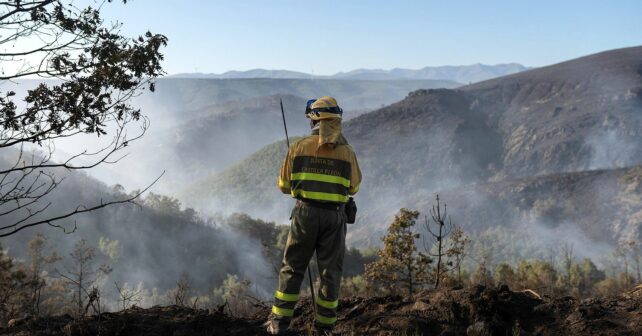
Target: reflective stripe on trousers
{"x": 326, "y": 311}
{"x": 284, "y": 304}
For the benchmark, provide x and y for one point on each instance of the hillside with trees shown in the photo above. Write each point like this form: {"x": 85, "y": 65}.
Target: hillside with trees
{"x": 410, "y": 286}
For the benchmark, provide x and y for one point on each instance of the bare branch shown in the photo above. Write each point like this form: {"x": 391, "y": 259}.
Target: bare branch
{"x": 78, "y": 210}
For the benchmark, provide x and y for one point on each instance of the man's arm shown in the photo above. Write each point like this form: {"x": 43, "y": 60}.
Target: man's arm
{"x": 355, "y": 178}
{"x": 283, "y": 182}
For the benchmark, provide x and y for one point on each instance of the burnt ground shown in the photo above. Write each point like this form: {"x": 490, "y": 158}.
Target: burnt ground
{"x": 469, "y": 311}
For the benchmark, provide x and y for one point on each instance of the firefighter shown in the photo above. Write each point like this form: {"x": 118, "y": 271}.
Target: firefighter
{"x": 321, "y": 172}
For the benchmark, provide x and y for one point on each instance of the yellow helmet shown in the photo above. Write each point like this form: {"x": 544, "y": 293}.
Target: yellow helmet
{"x": 323, "y": 108}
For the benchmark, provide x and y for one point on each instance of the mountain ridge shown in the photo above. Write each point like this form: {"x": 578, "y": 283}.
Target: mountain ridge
{"x": 457, "y": 73}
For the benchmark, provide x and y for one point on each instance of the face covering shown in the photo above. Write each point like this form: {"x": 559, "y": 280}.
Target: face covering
{"x": 330, "y": 132}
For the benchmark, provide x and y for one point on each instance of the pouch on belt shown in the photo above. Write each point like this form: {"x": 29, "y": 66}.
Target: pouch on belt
{"x": 351, "y": 211}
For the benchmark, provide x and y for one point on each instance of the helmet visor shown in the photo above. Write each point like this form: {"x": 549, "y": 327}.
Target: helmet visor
{"x": 308, "y": 106}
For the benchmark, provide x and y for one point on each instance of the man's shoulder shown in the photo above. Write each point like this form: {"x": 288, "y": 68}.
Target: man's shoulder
{"x": 309, "y": 145}
{"x": 310, "y": 137}
{"x": 348, "y": 147}
{"x": 348, "y": 152}
{"x": 307, "y": 140}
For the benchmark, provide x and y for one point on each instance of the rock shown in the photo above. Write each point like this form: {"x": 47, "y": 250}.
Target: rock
{"x": 503, "y": 288}
{"x": 71, "y": 329}
{"x": 478, "y": 329}
{"x": 421, "y": 306}
{"x": 18, "y": 321}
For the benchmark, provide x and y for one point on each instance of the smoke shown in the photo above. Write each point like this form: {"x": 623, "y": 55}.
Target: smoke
{"x": 549, "y": 239}
{"x": 252, "y": 264}
{"x": 152, "y": 245}
{"x": 611, "y": 150}
{"x": 278, "y": 210}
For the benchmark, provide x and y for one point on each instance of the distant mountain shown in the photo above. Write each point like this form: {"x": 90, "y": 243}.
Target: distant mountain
{"x": 461, "y": 74}
{"x": 522, "y": 132}
{"x": 254, "y": 73}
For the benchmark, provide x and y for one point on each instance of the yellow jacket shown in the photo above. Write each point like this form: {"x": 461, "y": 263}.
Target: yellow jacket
{"x": 326, "y": 173}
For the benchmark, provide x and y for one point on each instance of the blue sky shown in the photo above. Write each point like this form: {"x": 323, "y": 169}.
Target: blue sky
{"x": 325, "y": 37}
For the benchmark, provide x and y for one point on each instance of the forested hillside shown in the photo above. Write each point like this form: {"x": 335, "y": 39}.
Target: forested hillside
{"x": 154, "y": 243}
{"x": 230, "y": 188}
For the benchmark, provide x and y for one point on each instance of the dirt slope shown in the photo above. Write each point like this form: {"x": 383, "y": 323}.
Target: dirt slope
{"x": 471, "y": 311}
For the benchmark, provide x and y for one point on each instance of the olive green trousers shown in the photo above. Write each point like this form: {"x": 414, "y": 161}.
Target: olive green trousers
{"x": 312, "y": 230}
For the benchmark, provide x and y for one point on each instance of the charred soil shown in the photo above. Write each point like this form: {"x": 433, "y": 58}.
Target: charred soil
{"x": 465, "y": 311}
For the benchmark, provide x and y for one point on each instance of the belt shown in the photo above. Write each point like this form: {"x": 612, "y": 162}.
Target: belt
{"x": 320, "y": 205}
